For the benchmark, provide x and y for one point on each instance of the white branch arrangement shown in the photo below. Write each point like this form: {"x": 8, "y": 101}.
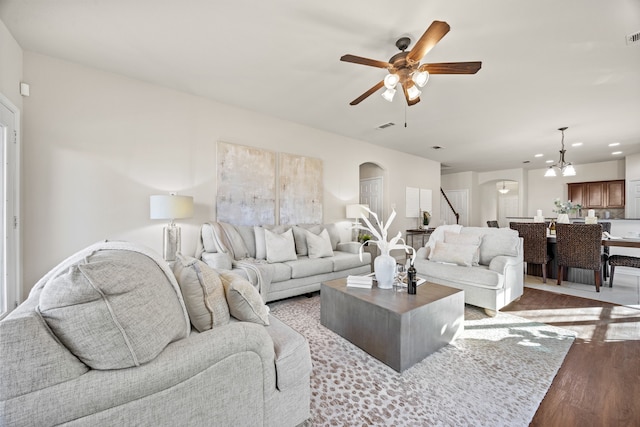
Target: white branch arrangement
{"x": 380, "y": 233}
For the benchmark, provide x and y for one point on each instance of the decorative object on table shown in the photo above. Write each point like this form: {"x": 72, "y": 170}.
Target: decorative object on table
{"x": 552, "y": 228}
{"x": 539, "y": 217}
{"x": 412, "y": 279}
{"x": 563, "y": 209}
{"x": 591, "y": 217}
{"x": 566, "y": 168}
{"x": 365, "y": 282}
{"x": 355, "y": 211}
{"x": 426, "y": 218}
{"x": 384, "y": 264}
{"x": 364, "y": 238}
{"x": 170, "y": 207}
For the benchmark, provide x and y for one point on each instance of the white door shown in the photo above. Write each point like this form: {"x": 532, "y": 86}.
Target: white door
{"x": 9, "y": 282}
{"x": 371, "y": 194}
{"x": 507, "y": 206}
{"x": 460, "y": 201}
{"x": 633, "y": 194}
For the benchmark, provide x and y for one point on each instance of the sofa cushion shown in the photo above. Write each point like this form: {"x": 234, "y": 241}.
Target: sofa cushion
{"x": 305, "y": 267}
{"x": 218, "y": 260}
{"x": 261, "y": 243}
{"x": 245, "y": 303}
{"x": 280, "y": 247}
{"x": 498, "y": 241}
{"x": 300, "y": 237}
{"x": 113, "y": 309}
{"x": 280, "y": 271}
{"x": 203, "y": 293}
{"x": 454, "y": 254}
{"x": 319, "y": 246}
{"x": 453, "y": 275}
{"x": 345, "y": 260}
{"x": 465, "y": 239}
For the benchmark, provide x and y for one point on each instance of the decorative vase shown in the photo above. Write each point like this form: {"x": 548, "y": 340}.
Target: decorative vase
{"x": 384, "y": 267}
{"x": 563, "y": 219}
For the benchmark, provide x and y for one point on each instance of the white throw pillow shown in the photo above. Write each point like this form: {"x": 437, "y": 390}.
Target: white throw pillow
{"x": 319, "y": 245}
{"x": 465, "y": 239}
{"x": 454, "y": 254}
{"x": 280, "y": 247}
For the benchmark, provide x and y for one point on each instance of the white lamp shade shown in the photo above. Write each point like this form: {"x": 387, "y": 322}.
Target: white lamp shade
{"x": 569, "y": 170}
{"x": 413, "y": 92}
{"x": 356, "y": 211}
{"x": 170, "y": 207}
{"x": 388, "y": 94}
{"x": 391, "y": 80}
{"x": 420, "y": 78}
{"x": 550, "y": 172}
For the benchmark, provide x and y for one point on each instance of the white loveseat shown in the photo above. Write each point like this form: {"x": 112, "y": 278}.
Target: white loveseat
{"x": 486, "y": 263}
{"x": 281, "y": 261}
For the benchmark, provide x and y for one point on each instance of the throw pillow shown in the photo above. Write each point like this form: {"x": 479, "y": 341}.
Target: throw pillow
{"x": 245, "y": 303}
{"x": 280, "y": 247}
{"x": 261, "y": 243}
{"x": 202, "y": 291}
{"x": 319, "y": 246}
{"x": 465, "y": 239}
{"x": 300, "y": 237}
{"x": 114, "y": 309}
{"x": 454, "y": 254}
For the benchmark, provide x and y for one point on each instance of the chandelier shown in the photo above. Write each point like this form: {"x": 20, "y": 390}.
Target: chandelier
{"x": 503, "y": 190}
{"x": 566, "y": 168}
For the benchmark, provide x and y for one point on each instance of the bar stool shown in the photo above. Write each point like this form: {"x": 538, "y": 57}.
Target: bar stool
{"x": 621, "y": 261}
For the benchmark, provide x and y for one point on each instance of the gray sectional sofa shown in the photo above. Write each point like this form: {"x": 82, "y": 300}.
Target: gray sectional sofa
{"x": 282, "y": 261}
{"x": 105, "y": 339}
{"x": 486, "y": 263}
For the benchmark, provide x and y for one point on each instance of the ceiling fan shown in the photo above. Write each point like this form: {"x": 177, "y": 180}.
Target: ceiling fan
{"x": 405, "y": 69}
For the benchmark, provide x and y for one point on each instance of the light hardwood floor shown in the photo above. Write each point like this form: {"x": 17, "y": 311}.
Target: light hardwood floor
{"x": 598, "y": 383}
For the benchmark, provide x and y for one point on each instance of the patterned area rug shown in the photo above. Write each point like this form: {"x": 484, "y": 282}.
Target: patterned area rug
{"x": 495, "y": 374}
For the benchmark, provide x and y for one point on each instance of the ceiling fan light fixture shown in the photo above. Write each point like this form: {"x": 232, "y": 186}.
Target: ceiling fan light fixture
{"x": 420, "y": 78}
{"x": 413, "y": 92}
{"x": 391, "y": 80}
{"x": 388, "y": 94}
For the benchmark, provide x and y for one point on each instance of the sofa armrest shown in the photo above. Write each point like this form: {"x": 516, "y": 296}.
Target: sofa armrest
{"x": 237, "y": 358}
{"x": 423, "y": 253}
{"x": 350, "y": 247}
{"x": 502, "y": 262}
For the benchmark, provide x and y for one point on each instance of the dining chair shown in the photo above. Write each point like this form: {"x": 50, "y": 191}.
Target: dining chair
{"x": 493, "y": 224}
{"x": 579, "y": 245}
{"x": 604, "y": 255}
{"x": 534, "y": 235}
{"x": 621, "y": 261}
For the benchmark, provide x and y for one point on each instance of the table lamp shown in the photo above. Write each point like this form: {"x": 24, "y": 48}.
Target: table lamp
{"x": 356, "y": 211}
{"x": 170, "y": 207}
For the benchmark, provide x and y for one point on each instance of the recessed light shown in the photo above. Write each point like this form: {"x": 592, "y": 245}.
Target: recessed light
{"x": 615, "y": 153}
{"x": 576, "y": 144}
{"x": 538, "y": 155}
{"x": 614, "y": 144}
{"x": 549, "y": 161}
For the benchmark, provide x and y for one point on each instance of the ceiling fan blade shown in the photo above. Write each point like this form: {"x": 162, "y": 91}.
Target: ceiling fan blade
{"x": 406, "y": 95}
{"x": 452, "y": 67}
{"x": 365, "y": 61}
{"x": 434, "y": 33}
{"x": 365, "y": 95}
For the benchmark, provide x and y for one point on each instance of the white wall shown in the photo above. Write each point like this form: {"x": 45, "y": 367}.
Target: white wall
{"x": 97, "y": 145}
{"x": 11, "y": 69}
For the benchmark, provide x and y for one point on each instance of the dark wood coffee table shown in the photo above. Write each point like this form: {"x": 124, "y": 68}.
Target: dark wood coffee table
{"x": 396, "y": 328}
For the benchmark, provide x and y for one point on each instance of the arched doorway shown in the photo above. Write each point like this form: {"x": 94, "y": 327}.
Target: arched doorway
{"x": 372, "y": 185}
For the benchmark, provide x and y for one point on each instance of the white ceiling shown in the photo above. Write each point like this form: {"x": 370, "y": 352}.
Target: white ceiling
{"x": 545, "y": 64}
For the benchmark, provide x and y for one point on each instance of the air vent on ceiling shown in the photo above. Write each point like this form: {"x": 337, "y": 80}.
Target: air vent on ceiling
{"x": 436, "y": 147}
{"x": 386, "y": 125}
{"x": 633, "y": 38}
{"x": 443, "y": 166}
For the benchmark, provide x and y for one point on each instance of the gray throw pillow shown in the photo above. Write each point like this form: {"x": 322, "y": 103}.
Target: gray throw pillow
{"x": 280, "y": 247}
{"x": 203, "y": 293}
{"x": 114, "y": 309}
{"x": 245, "y": 303}
{"x": 319, "y": 246}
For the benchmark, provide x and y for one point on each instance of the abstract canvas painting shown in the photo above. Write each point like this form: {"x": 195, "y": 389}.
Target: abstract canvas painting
{"x": 301, "y": 189}
{"x": 246, "y": 185}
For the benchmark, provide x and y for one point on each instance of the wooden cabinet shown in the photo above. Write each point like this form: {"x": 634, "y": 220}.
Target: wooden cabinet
{"x": 597, "y": 194}
{"x": 615, "y": 194}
